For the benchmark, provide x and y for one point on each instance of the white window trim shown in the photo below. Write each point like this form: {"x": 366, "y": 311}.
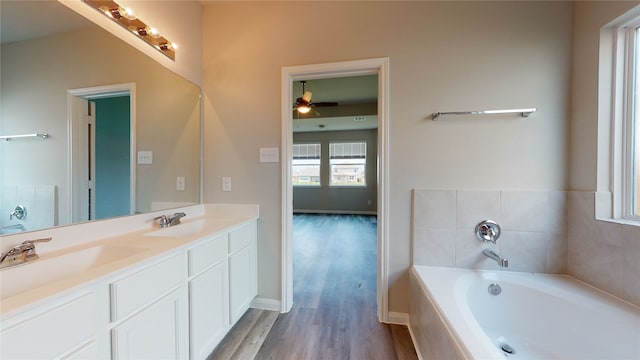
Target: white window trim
{"x": 319, "y": 166}
{"x": 357, "y": 186}
{"x": 613, "y": 107}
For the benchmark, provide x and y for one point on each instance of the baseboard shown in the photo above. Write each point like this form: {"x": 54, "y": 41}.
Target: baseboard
{"x": 266, "y": 304}
{"x": 398, "y": 318}
{"x": 413, "y": 339}
{"x": 336, "y": 212}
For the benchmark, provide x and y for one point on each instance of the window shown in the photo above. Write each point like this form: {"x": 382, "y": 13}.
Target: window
{"x": 306, "y": 165}
{"x": 347, "y": 162}
{"x": 618, "y": 195}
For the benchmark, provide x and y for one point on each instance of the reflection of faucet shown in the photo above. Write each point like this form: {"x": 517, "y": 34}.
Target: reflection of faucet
{"x": 20, "y": 212}
{"x": 21, "y": 253}
{"x": 495, "y": 256}
{"x": 163, "y": 220}
{"x": 166, "y": 221}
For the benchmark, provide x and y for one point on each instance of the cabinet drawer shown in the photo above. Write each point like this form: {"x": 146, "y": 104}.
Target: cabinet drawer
{"x": 142, "y": 287}
{"x": 242, "y": 237}
{"x": 207, "y": 253}
{"x": 53, "y": 333}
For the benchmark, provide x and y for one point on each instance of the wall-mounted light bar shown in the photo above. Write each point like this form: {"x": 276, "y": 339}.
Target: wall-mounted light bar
{"x": 126, "y": 18}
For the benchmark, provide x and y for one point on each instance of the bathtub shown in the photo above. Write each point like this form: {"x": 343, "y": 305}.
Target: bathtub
{"x": 459, "y": 314}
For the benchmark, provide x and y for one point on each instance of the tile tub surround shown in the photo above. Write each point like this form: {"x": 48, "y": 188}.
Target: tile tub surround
{"x": 39, "y": 200}
{"x": 534, "y": 228}
{"x": 601, "y": 253}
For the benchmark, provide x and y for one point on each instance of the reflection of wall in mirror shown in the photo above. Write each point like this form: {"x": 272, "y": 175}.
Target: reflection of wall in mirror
{"x": 35, "y": 77}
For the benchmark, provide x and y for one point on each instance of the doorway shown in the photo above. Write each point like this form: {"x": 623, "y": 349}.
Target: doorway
{"x": 102, "y": 161}
{"x": 379, "y": 67}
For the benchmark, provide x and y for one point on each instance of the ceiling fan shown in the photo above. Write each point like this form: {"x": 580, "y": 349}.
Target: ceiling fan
{"x": 304, "y": 105}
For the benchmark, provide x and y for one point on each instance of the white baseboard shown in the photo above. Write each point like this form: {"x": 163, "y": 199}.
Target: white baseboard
{"x": 266, "y": 304}
{"x": 415, "y": 343}
{"x": 398, "y": 318}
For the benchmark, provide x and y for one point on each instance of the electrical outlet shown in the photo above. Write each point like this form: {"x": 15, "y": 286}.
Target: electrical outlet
{"x": 226, "y": 183}
{"x": 180, "y": 183}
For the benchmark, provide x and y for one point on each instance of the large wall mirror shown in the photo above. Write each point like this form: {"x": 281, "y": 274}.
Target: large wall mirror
{"x": 123, "y": 132}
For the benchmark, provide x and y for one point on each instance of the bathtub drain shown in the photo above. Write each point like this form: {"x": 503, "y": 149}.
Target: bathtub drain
{"x": 494, "y": 289}
{"x": 507, "y": 349}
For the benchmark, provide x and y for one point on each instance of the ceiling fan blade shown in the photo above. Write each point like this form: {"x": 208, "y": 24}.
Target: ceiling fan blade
{"x": 324, "y": 103}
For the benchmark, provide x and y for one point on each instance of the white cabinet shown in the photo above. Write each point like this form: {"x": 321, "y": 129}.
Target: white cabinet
{"x": 62, "y": 329}
{"x": 208, "y": 295}
{"x": 177, "y": 306}
{"x": 157, "y": 332}
{"x": 243, "y": 274}
{"x": 150, "y": 312}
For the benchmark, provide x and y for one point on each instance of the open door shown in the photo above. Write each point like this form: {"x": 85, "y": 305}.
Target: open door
{"x": 102, "y": 161}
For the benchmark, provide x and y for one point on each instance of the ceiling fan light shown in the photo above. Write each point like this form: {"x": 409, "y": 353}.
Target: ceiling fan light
{"x": 306, "y": 96}
{"x": 303, "y": 109}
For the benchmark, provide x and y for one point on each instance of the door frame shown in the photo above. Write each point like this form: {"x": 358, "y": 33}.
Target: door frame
{"x": 290, "y": 74}
{"x": 76, "y": 100}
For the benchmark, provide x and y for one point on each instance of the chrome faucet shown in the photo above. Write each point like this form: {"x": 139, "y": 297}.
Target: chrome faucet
{"x": 166, "y": 221}
{"x": 495, "y": 256}
{"x": 21, "y": 253}
{"x": 175, "y": 218}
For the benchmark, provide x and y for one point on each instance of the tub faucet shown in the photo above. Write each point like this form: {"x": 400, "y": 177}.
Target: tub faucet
{"x": 495, "y": 256}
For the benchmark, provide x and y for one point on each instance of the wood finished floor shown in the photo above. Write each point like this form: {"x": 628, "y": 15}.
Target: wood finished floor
{"x": 334, "y": 312}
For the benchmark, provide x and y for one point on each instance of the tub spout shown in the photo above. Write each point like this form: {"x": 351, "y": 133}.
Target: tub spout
{"x": 495, "y": 256}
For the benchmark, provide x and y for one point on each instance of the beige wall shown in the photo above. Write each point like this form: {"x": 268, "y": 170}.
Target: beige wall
{"x": 445, "y": 56}
{"x": 590, "y": 17}
{"x": 601, "y": 253}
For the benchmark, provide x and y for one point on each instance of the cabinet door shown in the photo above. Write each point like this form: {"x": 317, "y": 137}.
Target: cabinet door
{"x": 209, "y": 308}
{"x": 58, "y": 330}
{"x": 241, "y": 282}
{"x": 159, "y": 331}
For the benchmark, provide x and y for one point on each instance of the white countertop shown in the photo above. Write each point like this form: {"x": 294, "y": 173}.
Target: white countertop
{"x": 202, "y": 221}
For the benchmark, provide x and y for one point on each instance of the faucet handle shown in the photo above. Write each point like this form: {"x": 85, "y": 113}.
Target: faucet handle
{"x": 37, "y": 240}
{"x": 488, "y": 231}
{"x": 178, "y": 215}
{"x": 29, "y": 248}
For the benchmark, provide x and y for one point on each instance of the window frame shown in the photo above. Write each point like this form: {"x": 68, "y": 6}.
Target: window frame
{"x": 319, "y": 165}
{"x": 354, "y": 186}
{"x": 631, "y": 117}
{"x": 617, "y": 107}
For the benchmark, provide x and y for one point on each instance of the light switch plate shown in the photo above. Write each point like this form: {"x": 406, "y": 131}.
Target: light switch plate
{"x": 180, "y": 183}
{"x": 145, "y": 157}
{"x": 226, "y": 183}
{"x": 269, "y": 155}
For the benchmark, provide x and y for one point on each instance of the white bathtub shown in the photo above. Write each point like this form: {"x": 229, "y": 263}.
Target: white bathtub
{"x": 538, "y": 316}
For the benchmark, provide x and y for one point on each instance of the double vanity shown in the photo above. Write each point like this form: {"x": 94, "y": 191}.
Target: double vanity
{"x": 126, "y": 288}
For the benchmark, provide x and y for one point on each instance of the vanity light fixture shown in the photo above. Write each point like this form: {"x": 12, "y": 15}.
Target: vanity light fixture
{"x": 126, "y": 18}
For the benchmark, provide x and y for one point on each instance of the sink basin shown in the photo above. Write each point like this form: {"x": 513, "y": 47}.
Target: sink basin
{"x": 184, "y": 229}
{"x": 36, "y": 273}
